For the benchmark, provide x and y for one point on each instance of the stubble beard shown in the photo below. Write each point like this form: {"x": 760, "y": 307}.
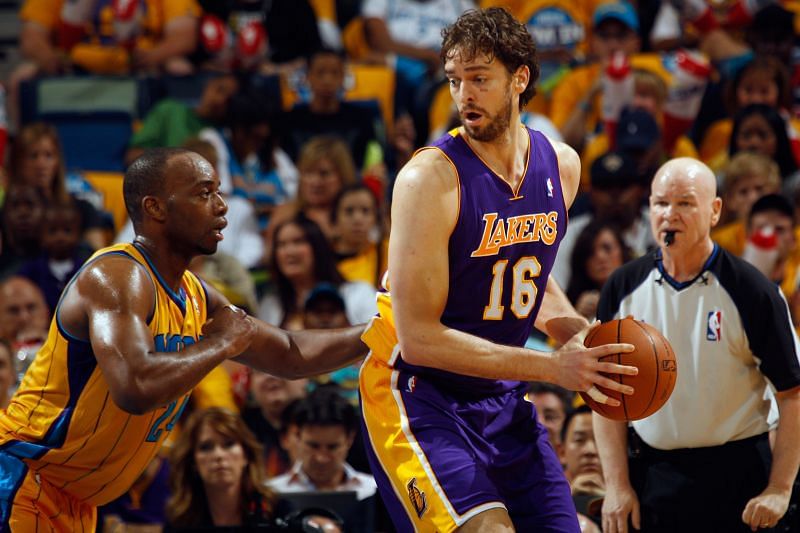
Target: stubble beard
{"x": 496, "y": 126}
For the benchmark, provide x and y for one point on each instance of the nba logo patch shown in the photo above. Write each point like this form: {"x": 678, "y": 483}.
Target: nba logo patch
{"x": 714, "y": 326}
{"x": 417, "y": 497}
{"x": 549, "y": 188}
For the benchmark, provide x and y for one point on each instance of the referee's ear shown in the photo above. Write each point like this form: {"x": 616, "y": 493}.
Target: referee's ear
{"x": 716, "y": 210}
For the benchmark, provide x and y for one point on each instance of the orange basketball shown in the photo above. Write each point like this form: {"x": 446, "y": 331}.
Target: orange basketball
{"x": 654, "y": 358}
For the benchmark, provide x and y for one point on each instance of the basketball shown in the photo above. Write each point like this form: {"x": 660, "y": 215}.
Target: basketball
{"x": 654, "y": 358}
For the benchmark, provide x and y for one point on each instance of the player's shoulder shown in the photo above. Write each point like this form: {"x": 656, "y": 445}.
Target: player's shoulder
{"x": 429, "y": 167}
{"x": 114, "y": 274}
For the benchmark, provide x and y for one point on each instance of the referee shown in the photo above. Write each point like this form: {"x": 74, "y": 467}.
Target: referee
{"x": 703, "y": 462}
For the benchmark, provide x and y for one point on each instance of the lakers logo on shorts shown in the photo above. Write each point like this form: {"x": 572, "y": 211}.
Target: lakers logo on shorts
{"x": 417, "y": 498}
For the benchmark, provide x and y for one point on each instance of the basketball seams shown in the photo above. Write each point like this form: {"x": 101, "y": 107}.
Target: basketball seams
{"x": 657, "y": 368}
{"x": 619, "y": 376}
{"x": 644, "y": 403}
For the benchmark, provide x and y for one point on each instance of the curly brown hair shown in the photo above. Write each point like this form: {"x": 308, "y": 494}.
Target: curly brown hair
{"x": 496, "y": 33}
{"x": 188, "y": 504}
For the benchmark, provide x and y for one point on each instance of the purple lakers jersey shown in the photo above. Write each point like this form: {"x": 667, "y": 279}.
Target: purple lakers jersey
{"x": 503, "y": 246}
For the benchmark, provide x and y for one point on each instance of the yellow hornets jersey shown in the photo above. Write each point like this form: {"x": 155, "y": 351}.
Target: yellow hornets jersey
{"x": 62, "y": 421}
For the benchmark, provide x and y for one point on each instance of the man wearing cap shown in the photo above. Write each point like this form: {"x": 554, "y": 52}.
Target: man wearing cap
{"x": 324, "y": 308}
{"x": 616, "y": 194}
{"x": 639, "y": 137}
{"x": 575, "y": 105}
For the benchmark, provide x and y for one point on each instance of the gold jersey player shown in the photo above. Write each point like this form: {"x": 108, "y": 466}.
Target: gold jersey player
{"x": 476, "y": 221}
{"x": 133, "y": 333}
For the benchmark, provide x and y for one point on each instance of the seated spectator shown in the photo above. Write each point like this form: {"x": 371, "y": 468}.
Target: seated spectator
{"x": 771, "y": 34}
{"x": 103, "y": 37}
{"x": 764, "y": 80}
{"x": 639, "y": 136}
{"x": 249, "y": 36}
{"x": 266, "y": 417}
{"x": 327, "y": 113}
{"x": 599, "y": 250}
{"x": 552, "y": 403}
{"x": 776, "y": 212}
{"x": 575, "y": 103}
{"x": 107, "y": 38}
{"x": 300, "y": 259}
{"x": 172, "y": 122}
{"x": 408, "y": 33}
{"x": 37, "y": 159}
{"x": 22, "y": 307}
{"x": 216, "y": 477}
{"x": 327, "y": 425}
{"x": 582, "y": 466}
{"x": 325, "y": 308}
{"x": 360, "y": 246}
{"x": 617, "y": 193}
{"x": 8, "y": 375}
{"x": 325, "y": 166}
{"x": 746, "y": 178}
{"x": 292, "y": 32}
{"x": 21, "y": 225}
{"x": 249, "y": 163}
{"x": 760, "y": 128}
{"x": 62, "y": 253}
{"x": 649, "y": 94}
{"x": 24, "y": 320}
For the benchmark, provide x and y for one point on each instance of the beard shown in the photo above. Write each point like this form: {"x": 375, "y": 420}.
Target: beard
{"x": 495, "y": 126}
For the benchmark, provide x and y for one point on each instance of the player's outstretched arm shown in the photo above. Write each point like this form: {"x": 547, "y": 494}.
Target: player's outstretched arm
{"x": 424, "y": 212}
{"x": 294, "y": 354}
{"x": 620, "y": 501}
{"x": 109, "y": 305}
{"x": 297, "y": 354}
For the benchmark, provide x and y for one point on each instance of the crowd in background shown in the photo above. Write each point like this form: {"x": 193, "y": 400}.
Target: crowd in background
{"x": 307, "y": 172}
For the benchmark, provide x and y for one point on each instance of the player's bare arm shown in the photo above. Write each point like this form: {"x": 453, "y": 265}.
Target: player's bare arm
{"x": 109, "y": 305}
{"x": 424, "y": 212}
{"x": 295, "y": 354}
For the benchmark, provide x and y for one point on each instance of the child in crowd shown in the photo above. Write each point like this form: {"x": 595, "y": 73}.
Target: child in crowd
{"x": 62, "y": 252}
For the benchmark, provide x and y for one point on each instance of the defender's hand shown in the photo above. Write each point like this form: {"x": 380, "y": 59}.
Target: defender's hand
{"x": 232, "y": 327}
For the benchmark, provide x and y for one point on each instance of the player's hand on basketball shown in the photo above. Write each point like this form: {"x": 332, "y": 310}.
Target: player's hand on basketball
{"x": 766, "y": 509}
{"x": 579, "y": 368}
{"x": 620, "y": 503}
{"x": 232, "y": 326}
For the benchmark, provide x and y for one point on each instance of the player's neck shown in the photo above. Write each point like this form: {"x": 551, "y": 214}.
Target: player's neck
{"x": 685, "y": 265}
{"x": 507, "y": 154}
{"x": 170, "y": 264}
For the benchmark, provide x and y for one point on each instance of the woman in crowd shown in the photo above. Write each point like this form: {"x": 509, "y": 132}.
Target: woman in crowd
{"x": 216, "y": 476}
{"x": 599, "y": 250}
{"x": 360, "y": 246}
{"x": 37, "y": 159}
{"x": 325, "y": 167}
{"x": 300, "y": 259}
{"x": 762, "y": 81}
{"x": 760, "y": 128}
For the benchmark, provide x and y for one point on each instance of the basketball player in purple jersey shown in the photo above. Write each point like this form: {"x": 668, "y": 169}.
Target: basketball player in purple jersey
{"x": 476, "y": 222}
